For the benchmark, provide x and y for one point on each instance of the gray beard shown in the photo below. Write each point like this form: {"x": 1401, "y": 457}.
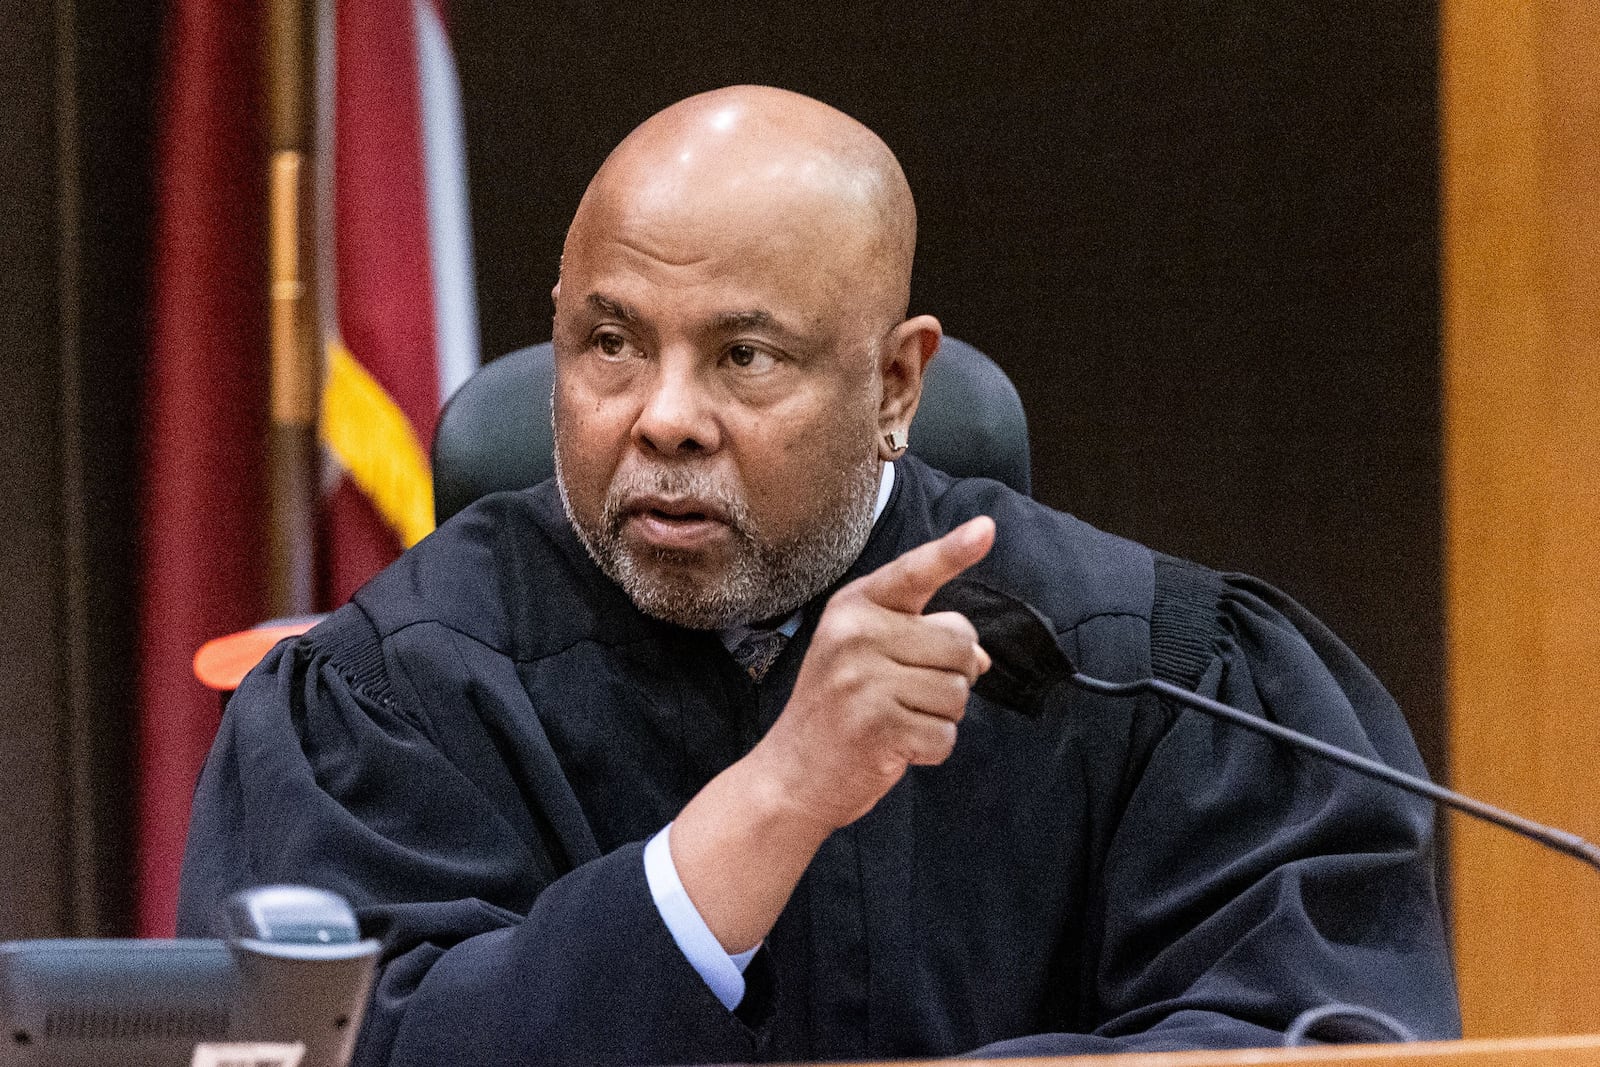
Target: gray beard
{"x": 766, "y": 579}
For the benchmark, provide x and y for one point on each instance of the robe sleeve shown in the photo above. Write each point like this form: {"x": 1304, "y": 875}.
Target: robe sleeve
{"x": 1246, "y": 883}
{"x": 498, "y": 946}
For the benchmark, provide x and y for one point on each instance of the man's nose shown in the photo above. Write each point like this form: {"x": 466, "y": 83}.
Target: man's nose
{"x": 677, "y": 416}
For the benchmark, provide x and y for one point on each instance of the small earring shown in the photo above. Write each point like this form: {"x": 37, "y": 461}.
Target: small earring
{"x": 897, "y": 440}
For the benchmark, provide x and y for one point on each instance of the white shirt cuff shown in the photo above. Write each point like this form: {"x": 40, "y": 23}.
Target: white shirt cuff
{"x": 722, "y": 972}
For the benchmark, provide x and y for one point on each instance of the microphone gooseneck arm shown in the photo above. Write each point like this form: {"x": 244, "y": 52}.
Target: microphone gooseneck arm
{"x": 1560, "y": 840}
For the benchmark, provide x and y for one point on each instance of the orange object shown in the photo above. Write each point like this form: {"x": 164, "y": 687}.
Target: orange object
{"x": 222, "y": 662}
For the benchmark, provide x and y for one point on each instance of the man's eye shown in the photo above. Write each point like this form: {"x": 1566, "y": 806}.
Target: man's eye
{"x": 746, "y": 356}
{"x": 611, "y": 344}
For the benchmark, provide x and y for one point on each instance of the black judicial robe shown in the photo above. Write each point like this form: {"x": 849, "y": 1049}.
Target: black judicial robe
{"x": 475, "y": 749}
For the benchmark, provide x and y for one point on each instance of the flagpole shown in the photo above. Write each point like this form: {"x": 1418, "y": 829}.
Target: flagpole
{"x": 294, "y": 343}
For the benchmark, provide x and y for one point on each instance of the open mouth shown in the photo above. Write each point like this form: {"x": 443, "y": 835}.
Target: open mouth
{"x": 676, "y": 509}
{"x": 679, "y": 525}
{"x": 663, "y": 515}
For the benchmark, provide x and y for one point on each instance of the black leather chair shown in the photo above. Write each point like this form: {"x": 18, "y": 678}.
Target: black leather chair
{"x": 495, "y": 431}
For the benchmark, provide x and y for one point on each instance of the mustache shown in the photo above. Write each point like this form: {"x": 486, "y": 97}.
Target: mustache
{"x": 693, "y": 485}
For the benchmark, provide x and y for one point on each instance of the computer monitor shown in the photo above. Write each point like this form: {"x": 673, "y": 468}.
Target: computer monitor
{"x": 286, "y": 987}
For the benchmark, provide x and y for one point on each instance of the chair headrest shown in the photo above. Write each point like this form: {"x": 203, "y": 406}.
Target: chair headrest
{"x": 495, "y": 431}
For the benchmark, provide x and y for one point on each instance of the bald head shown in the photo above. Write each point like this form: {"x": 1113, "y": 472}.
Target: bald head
{"x": 763, "y": 166}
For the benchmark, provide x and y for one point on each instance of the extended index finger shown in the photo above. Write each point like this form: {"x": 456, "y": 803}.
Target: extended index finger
{"x": 909, "y": 582}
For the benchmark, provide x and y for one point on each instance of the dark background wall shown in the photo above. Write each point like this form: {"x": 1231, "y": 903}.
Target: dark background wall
{"x": 75, "y": 86}
{"x": 1201, "y": 237}
{"x": 30, "y": 560}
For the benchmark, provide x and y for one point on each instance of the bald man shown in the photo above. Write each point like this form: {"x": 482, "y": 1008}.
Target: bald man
{"x": 669, "y": 761}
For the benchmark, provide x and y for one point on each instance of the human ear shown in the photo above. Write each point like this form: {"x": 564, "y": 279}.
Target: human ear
{"x": 900, "y": 366}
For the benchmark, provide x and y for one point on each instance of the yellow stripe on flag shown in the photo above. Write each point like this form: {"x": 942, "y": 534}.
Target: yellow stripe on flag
{"x": 375, "y": 442}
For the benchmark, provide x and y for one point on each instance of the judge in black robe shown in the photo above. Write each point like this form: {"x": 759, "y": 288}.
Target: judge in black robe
{"x": 476, "y": 748}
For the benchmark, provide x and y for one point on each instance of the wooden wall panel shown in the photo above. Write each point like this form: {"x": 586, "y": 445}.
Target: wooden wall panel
{"x": 34, "y": 811}
{"x": 76, "y": 78}
{"x": 1521, "y": 110}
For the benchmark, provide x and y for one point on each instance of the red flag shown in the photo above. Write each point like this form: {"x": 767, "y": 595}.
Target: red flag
{"x": 203, "y": 505}
{"x": 402, "y": 333}
{"x": 406, "y": 329}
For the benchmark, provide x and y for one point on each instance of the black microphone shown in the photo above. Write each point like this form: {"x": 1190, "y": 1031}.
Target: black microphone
{"x": 1560, "y": 840}
{"x": 1027, "y": 662}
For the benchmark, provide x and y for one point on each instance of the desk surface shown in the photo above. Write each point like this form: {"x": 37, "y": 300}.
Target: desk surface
{"x": 1578, "y": 1051}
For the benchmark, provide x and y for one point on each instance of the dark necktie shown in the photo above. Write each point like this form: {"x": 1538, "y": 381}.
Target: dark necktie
{"x": 758, "y": 650}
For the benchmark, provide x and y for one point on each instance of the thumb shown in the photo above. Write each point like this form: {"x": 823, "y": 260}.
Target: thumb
{"x": 907, "y": 584}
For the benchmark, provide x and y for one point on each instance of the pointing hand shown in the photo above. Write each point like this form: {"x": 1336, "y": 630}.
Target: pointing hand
{"x": 882, "y": 685}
